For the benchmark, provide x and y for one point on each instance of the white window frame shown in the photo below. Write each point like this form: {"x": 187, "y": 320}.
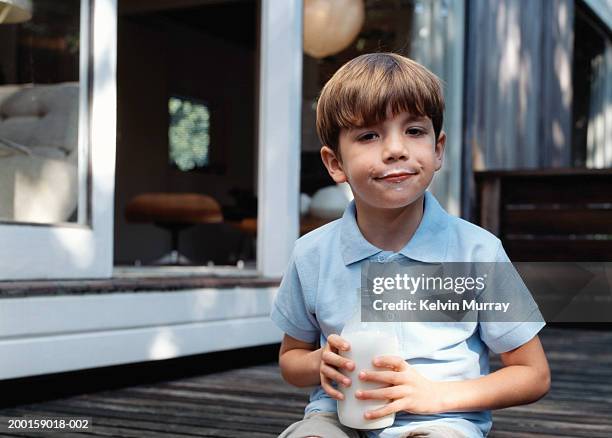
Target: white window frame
{"x": 83, "y": 250}
{"x": 280, "y": 100}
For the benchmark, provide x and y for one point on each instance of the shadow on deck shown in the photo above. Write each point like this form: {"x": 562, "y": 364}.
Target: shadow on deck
{"x": 254, "y": 401}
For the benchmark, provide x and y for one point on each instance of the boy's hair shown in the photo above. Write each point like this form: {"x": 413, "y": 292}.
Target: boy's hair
{"x": 359, "y": 93}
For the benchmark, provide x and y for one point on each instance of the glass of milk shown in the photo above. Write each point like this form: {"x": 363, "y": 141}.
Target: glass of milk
{"x": 367, "y": 340}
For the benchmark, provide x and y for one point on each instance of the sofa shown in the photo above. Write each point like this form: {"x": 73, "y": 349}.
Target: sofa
{"x": 39, "y": 152}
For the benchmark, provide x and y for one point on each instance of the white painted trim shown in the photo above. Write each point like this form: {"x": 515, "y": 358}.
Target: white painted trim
{"x": 103, "y": 136}
{"x": 83, "y": 123}
{"x": 46, "y": 315}
{"x": 68, "y": 251}
{"x": 36, "y": 356}
{"x": 41, "y": 335}
{"x": 280, "y": 97}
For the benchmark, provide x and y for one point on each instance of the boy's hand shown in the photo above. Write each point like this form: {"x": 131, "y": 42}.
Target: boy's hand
{"x": 409, "y": 390}
{"x": 331, "y": 363}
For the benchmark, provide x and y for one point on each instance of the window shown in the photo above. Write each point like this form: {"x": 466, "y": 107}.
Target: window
{"x": 42, "y": 114}
{"x": 125, "y": 155}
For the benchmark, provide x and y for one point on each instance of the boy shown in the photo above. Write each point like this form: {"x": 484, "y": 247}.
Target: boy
{"x": 380, "y": 122}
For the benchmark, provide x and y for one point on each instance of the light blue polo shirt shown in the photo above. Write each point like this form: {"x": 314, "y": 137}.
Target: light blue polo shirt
{"x": 318, "y": 294}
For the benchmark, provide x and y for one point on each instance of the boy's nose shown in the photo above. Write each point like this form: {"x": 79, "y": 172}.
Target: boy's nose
{"x": 395, "y": 150}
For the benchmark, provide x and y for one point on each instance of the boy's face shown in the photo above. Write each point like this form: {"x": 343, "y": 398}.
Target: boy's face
{"x": 389, "y": 165}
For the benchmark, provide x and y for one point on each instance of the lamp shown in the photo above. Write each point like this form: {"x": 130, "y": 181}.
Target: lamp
{"x": 330, "y": 26}
{"x": 15, "y": 11}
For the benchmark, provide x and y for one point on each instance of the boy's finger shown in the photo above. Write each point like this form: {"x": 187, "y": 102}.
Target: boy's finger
{"x": 389, "y": 393}
{"x": 390, "y": 377}
{"x": 385, "y": 410}
{"x": 337, "y": 361}
{"x": 329, "y": 389}
{"x": 338, "y": 342}
{"x": 393, "y": 362}
{"x": 335, "y": 375}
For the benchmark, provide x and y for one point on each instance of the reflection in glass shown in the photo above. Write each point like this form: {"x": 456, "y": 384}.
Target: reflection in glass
{"x": 39, "y": 114}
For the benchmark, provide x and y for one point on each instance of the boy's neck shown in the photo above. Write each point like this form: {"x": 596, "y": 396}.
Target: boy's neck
{"x": 389, "y": 229}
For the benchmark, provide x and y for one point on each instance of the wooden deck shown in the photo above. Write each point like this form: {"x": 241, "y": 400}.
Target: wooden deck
{"x": 255, "y": 402}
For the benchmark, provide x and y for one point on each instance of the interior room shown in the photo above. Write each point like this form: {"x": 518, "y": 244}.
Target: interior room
{"x": 186, "y": 145}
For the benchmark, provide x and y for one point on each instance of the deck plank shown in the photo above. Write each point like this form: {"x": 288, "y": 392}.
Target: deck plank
{"x": 256, "y": 402}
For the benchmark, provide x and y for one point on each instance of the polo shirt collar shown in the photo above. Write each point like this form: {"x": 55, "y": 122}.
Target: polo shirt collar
{"x": 428, "y": 244}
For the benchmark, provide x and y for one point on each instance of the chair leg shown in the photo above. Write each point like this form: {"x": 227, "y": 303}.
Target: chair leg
{"x": 174, "y": 257}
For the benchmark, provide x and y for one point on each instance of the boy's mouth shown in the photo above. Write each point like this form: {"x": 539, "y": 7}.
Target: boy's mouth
{"x": 395, "y": 175}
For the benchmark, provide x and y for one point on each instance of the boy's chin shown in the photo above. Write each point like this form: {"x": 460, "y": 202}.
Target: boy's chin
{"x": 391, "y": 202}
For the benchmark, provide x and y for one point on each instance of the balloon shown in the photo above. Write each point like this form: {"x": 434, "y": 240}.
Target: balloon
{"x": 15, "y": 11}
{"x": 330, "y": 26}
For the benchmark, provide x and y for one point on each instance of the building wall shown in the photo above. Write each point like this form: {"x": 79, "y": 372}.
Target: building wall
{"x": 518, "y": 84}
{"x": 518, "y": 87}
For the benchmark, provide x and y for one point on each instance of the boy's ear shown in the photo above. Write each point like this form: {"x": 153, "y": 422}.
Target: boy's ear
{"x": 333, "y": 165}
{"x": 439, "y": 149}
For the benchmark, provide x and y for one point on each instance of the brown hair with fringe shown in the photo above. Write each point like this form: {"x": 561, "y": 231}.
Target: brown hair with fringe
{"x": 360, "y": 92}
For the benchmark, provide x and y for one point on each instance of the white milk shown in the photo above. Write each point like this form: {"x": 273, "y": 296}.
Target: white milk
{"x": 365, "y": 346}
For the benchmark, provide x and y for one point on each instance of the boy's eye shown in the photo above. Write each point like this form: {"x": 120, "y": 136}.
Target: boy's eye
{"x": 415, "y": 131}
{"x": 366, "y": 137}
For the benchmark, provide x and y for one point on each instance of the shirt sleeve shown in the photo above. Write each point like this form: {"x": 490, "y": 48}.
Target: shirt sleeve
{"x": 290, "y": 310}
{"x": 523, "y": 323}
